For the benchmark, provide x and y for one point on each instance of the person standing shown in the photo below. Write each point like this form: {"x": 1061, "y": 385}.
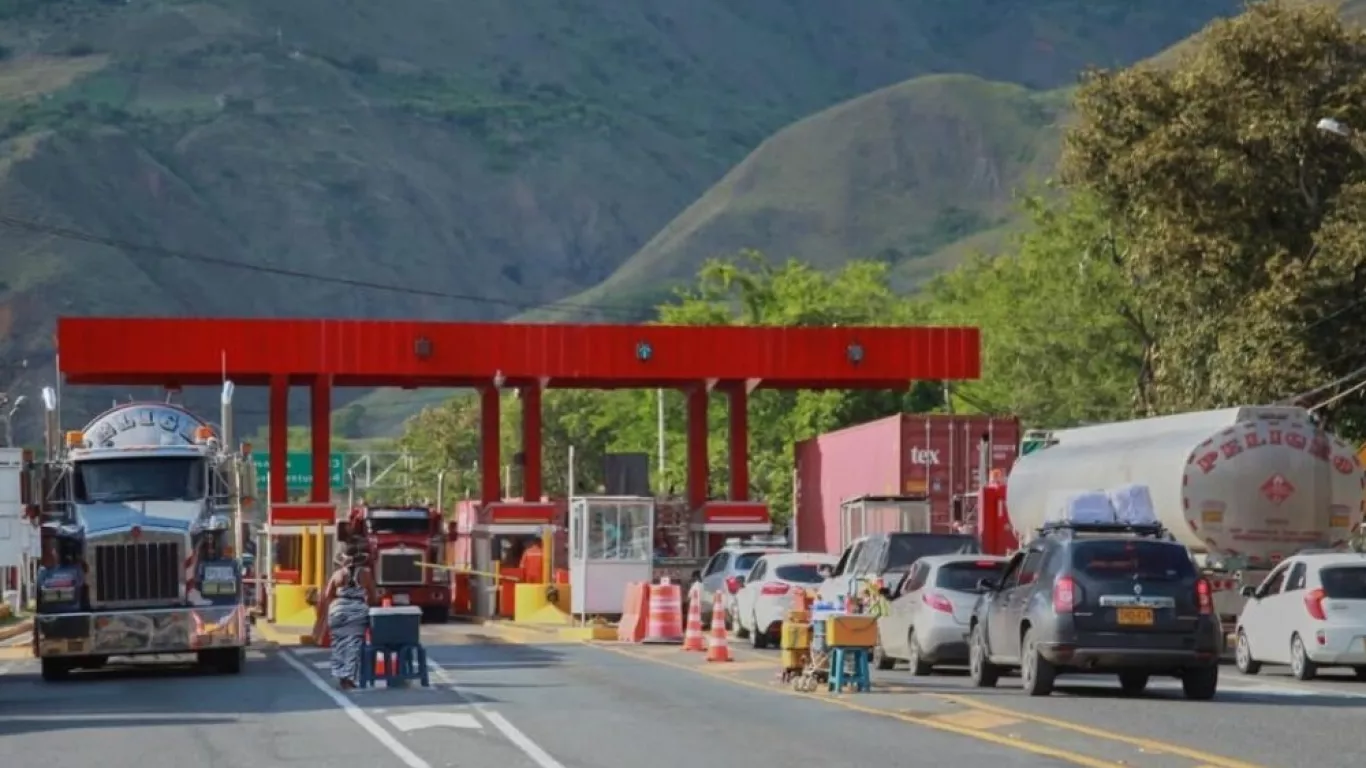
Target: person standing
{"x": 345, "y": 606}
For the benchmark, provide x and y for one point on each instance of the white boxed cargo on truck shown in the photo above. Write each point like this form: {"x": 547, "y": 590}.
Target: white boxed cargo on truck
{"x": 1241, "y": 487}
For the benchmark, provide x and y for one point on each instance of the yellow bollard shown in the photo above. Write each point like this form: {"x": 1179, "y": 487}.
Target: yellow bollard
{"x": 547, "y": 541}
{"x": 306, "y": 557}
{"x": 321, "y": 559}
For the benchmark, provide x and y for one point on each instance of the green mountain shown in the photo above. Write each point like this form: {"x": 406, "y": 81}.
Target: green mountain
{"x": 497, "y": 156}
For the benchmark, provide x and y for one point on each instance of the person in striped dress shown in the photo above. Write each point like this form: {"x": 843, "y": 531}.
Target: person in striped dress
{"x": 345, "y": 606}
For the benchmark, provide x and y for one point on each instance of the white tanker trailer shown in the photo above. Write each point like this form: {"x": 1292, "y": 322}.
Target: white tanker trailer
{"x": 1241, "y": 487}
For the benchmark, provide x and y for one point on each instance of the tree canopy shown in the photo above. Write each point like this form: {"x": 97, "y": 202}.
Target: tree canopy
{"x": 1242, "y": 216}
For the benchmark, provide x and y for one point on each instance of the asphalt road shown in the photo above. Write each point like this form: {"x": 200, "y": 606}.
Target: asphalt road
{"x": 491, "y": 703}
{"x": 520, "y": 700}
{"x": 1255, "y": 721}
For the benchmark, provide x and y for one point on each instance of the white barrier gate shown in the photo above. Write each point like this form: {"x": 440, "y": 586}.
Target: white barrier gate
{"x": 611, "y": 545}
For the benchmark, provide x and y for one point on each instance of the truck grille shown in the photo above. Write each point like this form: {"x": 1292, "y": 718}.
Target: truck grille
{"x": 132, "y": 573}
{"x": 400, "y": 568}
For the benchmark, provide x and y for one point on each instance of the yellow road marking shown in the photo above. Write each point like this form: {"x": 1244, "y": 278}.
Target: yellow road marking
{"x": 1208, "y": 760}
{"x": 741, "y": 666}
{"x": 976, "y": 719}
{"x": 1043, "y": 750}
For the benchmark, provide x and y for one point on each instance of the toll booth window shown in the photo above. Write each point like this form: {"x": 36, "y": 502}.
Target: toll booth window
{"x": 145, "y": 478}
{"x": 620, "y": 532}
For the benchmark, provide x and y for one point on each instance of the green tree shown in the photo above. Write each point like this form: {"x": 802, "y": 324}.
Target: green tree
{"x": 1243, "y": 218}
{"x": 1062, "y": 340}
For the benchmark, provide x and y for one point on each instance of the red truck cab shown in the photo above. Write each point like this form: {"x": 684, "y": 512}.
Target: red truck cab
{"x": 404, "y": 544}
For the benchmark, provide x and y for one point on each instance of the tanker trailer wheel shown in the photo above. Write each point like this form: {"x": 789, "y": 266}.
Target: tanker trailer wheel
{"x": 55, "y": 670}
{"x": 225, "y": 661}
{"x": 1242, "y": 656}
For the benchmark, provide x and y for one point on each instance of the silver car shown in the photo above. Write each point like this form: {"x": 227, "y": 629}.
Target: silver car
{"x": 725, "y": 573}
{"x": 930, "y": 609}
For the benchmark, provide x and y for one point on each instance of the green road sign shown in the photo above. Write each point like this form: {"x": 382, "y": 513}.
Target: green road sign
{"x": 299, "y": 471}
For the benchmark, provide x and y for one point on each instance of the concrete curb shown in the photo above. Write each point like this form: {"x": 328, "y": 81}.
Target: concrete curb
{"x": 15, "y": 630}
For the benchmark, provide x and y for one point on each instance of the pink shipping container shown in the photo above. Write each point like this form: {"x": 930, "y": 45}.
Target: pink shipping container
{"x": 933, "y": 456}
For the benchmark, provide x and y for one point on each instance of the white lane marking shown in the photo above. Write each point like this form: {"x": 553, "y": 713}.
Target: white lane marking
{"x": 416, "y": 721}
{"x": 358, "y": 715}
{"x": 512, "y": 733}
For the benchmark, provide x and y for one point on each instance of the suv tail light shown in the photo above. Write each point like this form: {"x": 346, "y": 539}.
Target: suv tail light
{"x": 732, "y": 584}
{"x": 774, "y": 589}
{"x": 1314, "y": 603}
{"x": 1065, "y": 594}
{"x": 1204, "y": 598}
{"x": 938, "y": 602}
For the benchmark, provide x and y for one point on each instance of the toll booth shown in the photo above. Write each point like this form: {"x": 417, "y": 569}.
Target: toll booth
{"x": 867, "y": 515}
{"x": 296, "y": 551}
{"x": 501, "y": 545}
{"x": 685, "y": 539}
{"x": 611, "y": 544}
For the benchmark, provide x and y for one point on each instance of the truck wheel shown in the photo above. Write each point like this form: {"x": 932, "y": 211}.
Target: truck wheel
{"x": 231, "y": 660}
{"x": 55, "y": 670}
{"x": 439, "y": 614}
{"x": 94, "y": 662}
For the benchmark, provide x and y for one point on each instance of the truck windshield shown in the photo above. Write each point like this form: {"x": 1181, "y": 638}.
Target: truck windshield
{"x": 410, "y": 526}
{"x": 904, "y": 549}
{"x": 145, "y": 478}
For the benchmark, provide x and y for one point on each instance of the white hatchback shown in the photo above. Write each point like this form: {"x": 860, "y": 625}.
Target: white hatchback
{"x": 763, "y": 601}
{"x": 1309, "y": 613}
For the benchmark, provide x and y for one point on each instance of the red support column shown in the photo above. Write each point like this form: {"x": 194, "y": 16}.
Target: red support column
{"x": 490, "y": 468}
{"x": 697, "y": 446}
{"x": 531, "y": 442}
{"x": 320, "y": 428}
{"x": 739, "y": 444}
{"x": 279, "y": 437}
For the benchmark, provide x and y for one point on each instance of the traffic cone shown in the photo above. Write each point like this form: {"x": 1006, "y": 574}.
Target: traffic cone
{"x": 693, "y": 639}
{"x": 719, "y": 647}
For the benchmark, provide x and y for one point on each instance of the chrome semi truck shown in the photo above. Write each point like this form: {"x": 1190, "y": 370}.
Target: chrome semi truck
{"x": 140, "y": 518}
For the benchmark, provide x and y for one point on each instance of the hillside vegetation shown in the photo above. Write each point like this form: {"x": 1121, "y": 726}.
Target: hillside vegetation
{"x": 496, "y": 155}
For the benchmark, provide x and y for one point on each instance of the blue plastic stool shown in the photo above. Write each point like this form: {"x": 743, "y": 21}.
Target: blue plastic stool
{"x": 401, "y": 664}
{"x": 840, "y": 660}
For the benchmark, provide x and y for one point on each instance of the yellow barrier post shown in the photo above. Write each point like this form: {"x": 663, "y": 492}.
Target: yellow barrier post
{"x": 547, "y": 541}
{"x": 321, "y": 559}
{"x": 305, "y": 557}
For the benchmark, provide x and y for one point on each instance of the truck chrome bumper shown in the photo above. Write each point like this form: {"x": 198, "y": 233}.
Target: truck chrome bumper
{"x": 128, "y": 633}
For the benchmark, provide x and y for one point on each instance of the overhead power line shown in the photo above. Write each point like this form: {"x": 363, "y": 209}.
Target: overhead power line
{"x": 65, "y": 233}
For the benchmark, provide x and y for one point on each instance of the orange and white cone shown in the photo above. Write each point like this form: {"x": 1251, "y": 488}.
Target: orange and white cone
{"x": 693, "y": 639}
{"x": 718, "y": 649}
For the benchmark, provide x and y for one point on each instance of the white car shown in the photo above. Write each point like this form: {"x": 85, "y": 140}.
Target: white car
{"x": 930, "y": 609}
{"x": 1309, "y": 613}
{"x": 763, "y": 601}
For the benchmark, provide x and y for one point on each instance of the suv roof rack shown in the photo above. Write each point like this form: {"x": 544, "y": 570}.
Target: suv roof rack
{"x": 1154, "y": 530}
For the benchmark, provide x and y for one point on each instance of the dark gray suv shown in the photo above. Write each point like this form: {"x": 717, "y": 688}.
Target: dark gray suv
{"x": 1106, "y": 599}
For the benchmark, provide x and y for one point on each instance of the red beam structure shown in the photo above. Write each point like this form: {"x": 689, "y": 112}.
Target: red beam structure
{"x": 323, "y": 354}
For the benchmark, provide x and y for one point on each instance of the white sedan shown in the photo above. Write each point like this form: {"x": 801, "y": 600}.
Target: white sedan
{"x": 1309, "y": 613}
{"x": 766, "y": 596}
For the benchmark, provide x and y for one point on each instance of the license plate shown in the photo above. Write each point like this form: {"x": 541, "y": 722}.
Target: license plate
{"x": 1134, "y": 616}
{"x": 403, "y": 600}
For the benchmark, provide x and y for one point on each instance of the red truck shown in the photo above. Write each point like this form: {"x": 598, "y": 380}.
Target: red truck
{"x": 404, "y": 542}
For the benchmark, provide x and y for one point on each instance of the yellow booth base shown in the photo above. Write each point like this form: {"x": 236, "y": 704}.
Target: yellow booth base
{"x": 584, "y": 634}
{"x": 531, "y": 607}
{"x": 291, "y": 607}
